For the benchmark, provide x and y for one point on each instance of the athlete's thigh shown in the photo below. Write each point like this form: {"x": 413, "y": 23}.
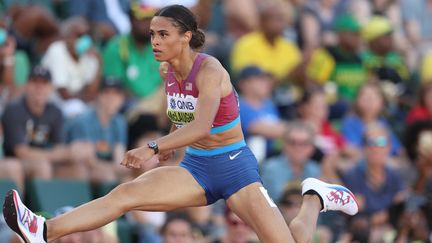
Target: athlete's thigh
{"x": 254, "y": 207}
{"x": 161, "y": 189}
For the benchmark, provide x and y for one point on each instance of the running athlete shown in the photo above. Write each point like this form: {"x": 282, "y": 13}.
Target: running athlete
{"x": 203, "y": 107}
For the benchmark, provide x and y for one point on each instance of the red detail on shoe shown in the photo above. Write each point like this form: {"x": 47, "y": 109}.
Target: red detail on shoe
{"x": 337, "y": 197}
{"x": 30, "y": 222}
{"x": 33, "y": 225}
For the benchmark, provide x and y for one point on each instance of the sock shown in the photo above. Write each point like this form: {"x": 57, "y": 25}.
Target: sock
{"x": 312, "y": 192}
{"x": 45, "y": 232}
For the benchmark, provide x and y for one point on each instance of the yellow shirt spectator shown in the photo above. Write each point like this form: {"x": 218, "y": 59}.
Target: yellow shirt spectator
{"x": 253, "y": 49}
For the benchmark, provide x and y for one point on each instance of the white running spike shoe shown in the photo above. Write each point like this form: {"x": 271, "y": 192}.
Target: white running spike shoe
{"x": 25, "y": 223}
{"x": 334, "y": 197}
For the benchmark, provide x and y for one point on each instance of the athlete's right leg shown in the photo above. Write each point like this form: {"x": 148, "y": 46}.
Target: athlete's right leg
{"x": 161, "y": 189}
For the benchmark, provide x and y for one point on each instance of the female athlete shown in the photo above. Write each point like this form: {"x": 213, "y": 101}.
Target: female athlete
{"x": 203, "y": 107}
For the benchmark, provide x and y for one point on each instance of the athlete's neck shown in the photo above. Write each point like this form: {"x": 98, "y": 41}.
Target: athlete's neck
{"x": 182, "y": 64}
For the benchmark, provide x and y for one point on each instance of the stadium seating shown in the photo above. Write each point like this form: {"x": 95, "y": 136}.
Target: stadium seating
{"x": 47, "y": 196}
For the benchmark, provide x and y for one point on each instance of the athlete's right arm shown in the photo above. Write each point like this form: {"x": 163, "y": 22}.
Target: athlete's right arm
{"x": 210, "y": 92}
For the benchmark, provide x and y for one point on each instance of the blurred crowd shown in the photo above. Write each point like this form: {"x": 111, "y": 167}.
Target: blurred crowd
{"x": 335, "y": 89}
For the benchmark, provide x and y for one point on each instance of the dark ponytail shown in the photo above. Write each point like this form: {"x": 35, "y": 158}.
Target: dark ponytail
{"x": 198, "y": 39}
{"x": 184, "y": 20}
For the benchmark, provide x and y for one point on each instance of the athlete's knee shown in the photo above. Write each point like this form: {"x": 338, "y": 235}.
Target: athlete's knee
{"x": 123, "y": 195}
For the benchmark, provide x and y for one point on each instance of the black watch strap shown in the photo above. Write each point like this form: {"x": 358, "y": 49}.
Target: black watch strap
{"x": 153, "y": 145}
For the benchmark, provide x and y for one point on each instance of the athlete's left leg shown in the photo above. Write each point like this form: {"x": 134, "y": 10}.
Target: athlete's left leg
{"x": 253, "y": 205}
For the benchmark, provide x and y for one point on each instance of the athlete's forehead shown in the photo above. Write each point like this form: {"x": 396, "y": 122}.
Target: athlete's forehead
{"x": 159, "y": 23}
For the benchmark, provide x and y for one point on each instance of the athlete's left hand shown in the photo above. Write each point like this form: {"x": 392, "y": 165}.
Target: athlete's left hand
{"x": 136, "y": 157}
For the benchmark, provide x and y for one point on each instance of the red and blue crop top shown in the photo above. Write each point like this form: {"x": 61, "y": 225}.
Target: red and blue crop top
{"x": 182, "y": 98}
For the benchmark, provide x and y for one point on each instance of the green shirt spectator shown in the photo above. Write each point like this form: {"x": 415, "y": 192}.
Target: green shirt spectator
{"x": 342, "y": 63}
{"x": 381, "y": 59}
{"x": 138, "y": 69}
{"x": 391, "y": 66}
{"x": 130, "y": 57}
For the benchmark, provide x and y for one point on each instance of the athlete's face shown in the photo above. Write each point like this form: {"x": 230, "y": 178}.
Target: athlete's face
{"x": 167, "y": 41}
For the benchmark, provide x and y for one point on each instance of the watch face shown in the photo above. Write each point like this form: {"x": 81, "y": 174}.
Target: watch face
{"x": 152, "y": 144}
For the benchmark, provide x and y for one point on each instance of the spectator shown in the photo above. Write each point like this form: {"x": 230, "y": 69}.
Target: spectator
{"x": 177, "y": 229}
{"x": 376, "y": 185}
{"x": 392, "y": 10}
{"x": 358, "y": 229}
{"x": 56, "y": 8}
{"x": 416, "y": 137}
{"x": 381, "y": 60}
{"x": 228, "y": 25}
{"x": 313, "y": 108}
{"x": 411, "y": 223}
{"x": 204, "y": 222}
{"x": 237, "y": 231}
{"x": 423, "y": 109}
{"x": 416, "y": 19}
{"x": 74, "y": 65}
{"x": 368, "y": 108}
{"x": 12, "y": 169}
{"x": 105, "y": 130}
{"x": 267, "y": 47}
{"x": 317, "y": 22}
{"x": 420, "y": 201}
{"x": 260, "y": 119}
{"x": 340, "y": 63}
{"x": 294, "y": 163}
{"x": 14, "y": 65}
{"x": 33, "y": 130}
{"x": 34, "y": 29}
{"x": 130, "y": 57}
{"x": 108, "y": 15}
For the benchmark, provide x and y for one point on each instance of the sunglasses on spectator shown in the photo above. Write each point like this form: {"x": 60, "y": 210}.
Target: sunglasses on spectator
{"x": 298, "y": 142}
{"x": 380, "y": 141}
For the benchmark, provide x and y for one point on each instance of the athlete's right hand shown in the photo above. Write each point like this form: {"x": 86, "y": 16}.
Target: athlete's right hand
{"x": 135, "y": 157}
{"x": 166, "y": 155}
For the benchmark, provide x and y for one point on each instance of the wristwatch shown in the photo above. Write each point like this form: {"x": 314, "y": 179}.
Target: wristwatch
{"x": 153, "y": 145}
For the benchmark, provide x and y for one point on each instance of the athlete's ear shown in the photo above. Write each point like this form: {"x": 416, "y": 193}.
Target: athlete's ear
{"x": 187, "y": 36}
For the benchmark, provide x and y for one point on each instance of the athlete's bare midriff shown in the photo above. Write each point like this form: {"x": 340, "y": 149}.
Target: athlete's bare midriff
{"x": 221, "y": 139}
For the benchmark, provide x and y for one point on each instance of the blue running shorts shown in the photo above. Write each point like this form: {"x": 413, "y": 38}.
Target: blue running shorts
{"x": 223, "y": 171}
